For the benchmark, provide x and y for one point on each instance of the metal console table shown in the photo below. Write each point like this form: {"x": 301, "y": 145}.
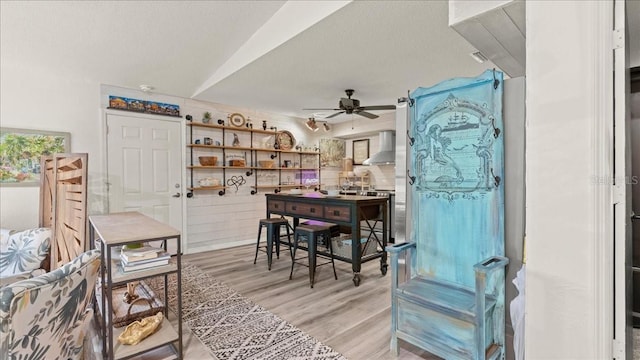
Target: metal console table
{"x": 115, "y": 230}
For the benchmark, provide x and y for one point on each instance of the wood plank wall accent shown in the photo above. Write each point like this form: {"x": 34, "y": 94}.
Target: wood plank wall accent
{"x": 46, "y": 191}
{"x": 63, "y": 205}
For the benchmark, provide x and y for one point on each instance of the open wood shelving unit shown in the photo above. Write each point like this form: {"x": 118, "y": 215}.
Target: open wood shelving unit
{"x": 251, "y": 167}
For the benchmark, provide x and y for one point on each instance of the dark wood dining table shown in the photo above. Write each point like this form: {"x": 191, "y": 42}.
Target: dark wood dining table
{"x": 352, "y": 212}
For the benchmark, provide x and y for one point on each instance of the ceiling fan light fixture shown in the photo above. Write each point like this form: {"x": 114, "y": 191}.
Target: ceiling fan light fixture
{"x": 326, "y": 127}
{"x": 311, "y": 124}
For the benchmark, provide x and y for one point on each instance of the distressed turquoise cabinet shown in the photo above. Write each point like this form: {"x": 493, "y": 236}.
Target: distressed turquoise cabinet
{"x": 452, "y": 300}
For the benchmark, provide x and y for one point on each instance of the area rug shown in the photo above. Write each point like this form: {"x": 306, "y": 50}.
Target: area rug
{"x": 232, "y": 326}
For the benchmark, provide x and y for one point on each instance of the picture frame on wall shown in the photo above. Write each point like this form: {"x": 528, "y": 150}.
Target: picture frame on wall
{"x": 360, "y": 151}
{"x": 21, "y": 151}
{"x": 332, "y": 151}
{"x": 143, "y": 106}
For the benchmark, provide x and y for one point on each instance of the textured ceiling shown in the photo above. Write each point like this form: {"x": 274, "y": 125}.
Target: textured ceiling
{"x": 379, "y": 48}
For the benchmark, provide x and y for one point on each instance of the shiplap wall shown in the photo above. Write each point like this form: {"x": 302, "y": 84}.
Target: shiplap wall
{"x": 215, "y": 221}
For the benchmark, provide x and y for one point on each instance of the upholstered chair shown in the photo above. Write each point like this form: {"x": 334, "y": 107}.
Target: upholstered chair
{"x": 23, "y": 254}
{"x": 46, "y": 317}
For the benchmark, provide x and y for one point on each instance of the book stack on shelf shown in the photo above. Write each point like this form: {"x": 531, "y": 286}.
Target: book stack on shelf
{"x": 143, "y": 258}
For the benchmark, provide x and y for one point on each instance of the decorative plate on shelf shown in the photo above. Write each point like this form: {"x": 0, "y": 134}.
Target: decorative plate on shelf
{"x": 236, "y": 119}
{"x": 285, "y": 140}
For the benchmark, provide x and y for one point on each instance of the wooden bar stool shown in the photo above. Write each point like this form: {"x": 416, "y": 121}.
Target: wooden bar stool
{"x": 312, "y": 233}
{"x": 273, "y": 236}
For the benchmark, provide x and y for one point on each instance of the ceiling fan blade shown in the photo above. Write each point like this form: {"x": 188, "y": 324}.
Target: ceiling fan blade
{"x": 333, "y": 115}
{"x": 379, "y": 107}
{"x": 324, "y": 109}
{"x": 366, "y": 114}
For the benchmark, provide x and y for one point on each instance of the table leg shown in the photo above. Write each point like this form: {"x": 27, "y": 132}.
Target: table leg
{"x": 269, "y": 245}
{"x": 385, "y": 239}
{"x": 356, "y": 278}
{"x": 311, "y": 243}
{"x": 355, "y": 248}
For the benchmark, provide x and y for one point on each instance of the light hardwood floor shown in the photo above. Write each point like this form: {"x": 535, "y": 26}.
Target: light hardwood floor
{"x": 354, "y": 321}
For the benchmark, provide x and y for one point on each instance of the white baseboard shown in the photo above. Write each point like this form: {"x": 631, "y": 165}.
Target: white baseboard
{"x": 226, "y": 245}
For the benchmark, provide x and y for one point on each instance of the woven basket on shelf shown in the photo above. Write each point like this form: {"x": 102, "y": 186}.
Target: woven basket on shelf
{"x": 146, "y": 304}
{"x": 208, "y": 160}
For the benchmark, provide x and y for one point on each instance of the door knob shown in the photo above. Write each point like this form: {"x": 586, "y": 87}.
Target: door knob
{"x": 176, "y": 195}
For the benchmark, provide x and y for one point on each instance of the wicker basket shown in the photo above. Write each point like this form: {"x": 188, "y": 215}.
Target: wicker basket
{"x": 237, "y": 162}
{"x": 342, "y": 246}
{"x": 208, "y": 160}
{"x": 146, "y": 304}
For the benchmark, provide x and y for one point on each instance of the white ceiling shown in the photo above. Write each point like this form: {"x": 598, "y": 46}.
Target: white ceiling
{"x": 381, "y": 49}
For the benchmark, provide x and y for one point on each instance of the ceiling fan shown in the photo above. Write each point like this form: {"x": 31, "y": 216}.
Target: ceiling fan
{"x": 352, "y": 106}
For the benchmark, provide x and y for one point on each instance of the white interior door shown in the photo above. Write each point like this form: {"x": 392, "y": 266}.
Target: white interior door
{"x": 623, "y": 340}
{"x": 144, "y": 168}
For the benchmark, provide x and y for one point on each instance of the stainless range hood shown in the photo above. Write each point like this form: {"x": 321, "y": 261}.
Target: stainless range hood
{"x": 387, "y": 153}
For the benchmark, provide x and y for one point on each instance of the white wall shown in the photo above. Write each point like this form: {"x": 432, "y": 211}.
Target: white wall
{"x": 34, "y": 98}
{"x": 635, "y": 192}
{"x": 514, "y": 191}
{"x": 568, "y": 222}
{"x": 215, "y": 221}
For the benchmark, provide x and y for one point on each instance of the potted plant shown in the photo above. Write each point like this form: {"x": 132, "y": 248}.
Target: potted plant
{"x": 206, "y": 118}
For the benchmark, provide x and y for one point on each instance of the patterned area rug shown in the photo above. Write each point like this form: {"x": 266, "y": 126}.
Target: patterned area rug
{"x": 233, "y": 327}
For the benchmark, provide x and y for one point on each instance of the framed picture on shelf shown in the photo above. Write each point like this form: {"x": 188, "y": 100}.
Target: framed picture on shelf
{"x": 360, "y": 151}
{"x": 20, "y": 152}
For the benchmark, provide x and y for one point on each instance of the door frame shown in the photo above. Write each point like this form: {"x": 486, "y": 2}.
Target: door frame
{"x": 183, "y": 162}
{"x": 623, "y": 276}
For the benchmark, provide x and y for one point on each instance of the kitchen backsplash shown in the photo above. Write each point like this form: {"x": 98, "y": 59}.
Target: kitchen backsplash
{"x": 382, "y": 176}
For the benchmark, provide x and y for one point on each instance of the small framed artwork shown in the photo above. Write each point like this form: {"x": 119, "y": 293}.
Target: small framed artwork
{"x": 20, "y": 152}
{"x": 360, "y": 151}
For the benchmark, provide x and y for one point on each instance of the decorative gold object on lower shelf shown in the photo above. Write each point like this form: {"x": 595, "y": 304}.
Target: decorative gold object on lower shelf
{"x": 139, "y": 330}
